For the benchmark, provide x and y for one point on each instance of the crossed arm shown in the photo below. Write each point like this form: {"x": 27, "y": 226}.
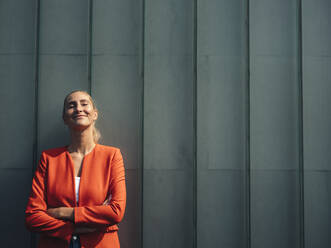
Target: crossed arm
{"x": 68, "y": 214}
{"x": 62, "y": 222}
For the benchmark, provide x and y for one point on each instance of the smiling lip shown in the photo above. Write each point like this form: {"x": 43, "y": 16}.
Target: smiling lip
{"x": 77, "y": 116}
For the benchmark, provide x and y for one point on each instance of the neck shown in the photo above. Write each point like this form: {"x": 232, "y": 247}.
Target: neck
{"x": 82, "y": 141}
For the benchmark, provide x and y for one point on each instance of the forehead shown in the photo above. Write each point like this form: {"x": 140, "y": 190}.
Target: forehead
{"x": 77, "y": 97}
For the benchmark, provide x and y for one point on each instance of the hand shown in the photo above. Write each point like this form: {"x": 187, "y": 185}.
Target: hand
{"x": 83, "y": 229}
{"x": 61, "y": 213}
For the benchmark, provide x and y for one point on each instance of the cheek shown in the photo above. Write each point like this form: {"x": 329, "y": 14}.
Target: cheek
{"x": 66, "y": 116}
{"x": 65, "y": 119}
{"x": 92, "y": 114}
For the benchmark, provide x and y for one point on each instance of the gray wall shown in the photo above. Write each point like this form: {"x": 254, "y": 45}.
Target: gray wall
{"x": 221, "y": 110}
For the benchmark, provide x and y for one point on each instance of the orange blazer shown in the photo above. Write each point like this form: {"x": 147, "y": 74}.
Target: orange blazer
{"x": 102, "y": 175}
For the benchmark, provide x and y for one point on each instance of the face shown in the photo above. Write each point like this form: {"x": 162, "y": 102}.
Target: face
{"x": 79, "y": 112}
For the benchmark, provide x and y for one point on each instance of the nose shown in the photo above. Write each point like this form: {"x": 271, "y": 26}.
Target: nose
{"x": 79, "y": 108}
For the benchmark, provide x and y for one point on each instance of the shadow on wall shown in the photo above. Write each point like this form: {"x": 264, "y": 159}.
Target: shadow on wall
{"x": 56, "y": 135}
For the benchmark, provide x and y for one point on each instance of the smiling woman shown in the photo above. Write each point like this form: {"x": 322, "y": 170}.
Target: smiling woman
{"x": 78, "y": 192}
{"x": 86, "y": 103}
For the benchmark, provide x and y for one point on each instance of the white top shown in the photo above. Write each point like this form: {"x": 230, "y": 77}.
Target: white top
{"x": 77, "y": 182}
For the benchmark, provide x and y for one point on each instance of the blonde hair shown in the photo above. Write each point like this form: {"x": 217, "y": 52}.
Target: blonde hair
{"x": 96, "y": 132}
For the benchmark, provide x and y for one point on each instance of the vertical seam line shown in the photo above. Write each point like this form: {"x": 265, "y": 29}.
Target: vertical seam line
{"x": 301, "y": 137}
{"x": 142, "y": 74}
{"x": 195, "y": 124}
{"x": 89, "y": 46}
{"x": 36, "y": 96}
{"x": 248, "y": 134}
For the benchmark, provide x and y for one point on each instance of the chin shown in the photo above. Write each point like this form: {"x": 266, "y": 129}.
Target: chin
{"x": 80, "y": 126}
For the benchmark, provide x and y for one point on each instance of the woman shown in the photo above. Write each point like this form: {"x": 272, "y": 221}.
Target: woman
{"x": 78, "y": 192}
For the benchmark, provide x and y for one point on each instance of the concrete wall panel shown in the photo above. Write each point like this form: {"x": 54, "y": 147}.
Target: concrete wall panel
{"x": 17, "y": 26}
{"x": 17, "y": 97}
{"x": 167, "y": 209}
{"x": 220, "y": 209}
{"x": 15, "y": 185}
{"x": 316, "y": 39}
{"x": 221, "y": 123}
{"x": 275, "y": 203}
{"x": 274, "y": 124}
{"x": 168, "y": 128}
{"x": 317, "y": 208}
{"x": 63, "y": 26}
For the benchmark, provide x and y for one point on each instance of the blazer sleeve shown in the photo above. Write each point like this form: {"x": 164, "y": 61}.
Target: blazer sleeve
{"x": 113, "y": 212}
{"x": 36, "y": 218}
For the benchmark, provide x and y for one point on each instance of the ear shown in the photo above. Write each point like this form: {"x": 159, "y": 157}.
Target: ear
{"x": 96, "y": 115}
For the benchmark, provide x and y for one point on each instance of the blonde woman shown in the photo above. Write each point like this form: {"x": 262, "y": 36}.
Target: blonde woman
{"x": 78, "y": 191}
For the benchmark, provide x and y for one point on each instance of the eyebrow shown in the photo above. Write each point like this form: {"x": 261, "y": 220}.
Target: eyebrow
{"x": 73, "y": 102}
